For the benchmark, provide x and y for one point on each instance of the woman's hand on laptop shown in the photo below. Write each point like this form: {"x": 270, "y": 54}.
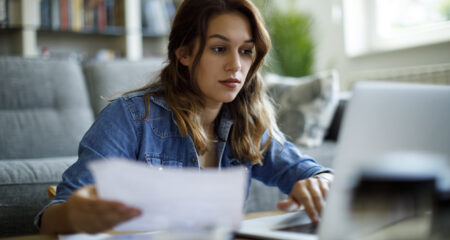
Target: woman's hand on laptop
{"x": 308, "y": 194}
{"x": 88, "y": 213}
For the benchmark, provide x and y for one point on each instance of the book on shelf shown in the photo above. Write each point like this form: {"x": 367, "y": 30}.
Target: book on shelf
{"x": 14, "y": 13}
{"x": 3, "y": 13}
{"x": 109, "y": 9}
{"x": 64, "y": 14}
{"x": 77, "y": 14}
{"x": 119, "y": 16}
{"x": 56, "y": 14}
{"x": 101, "y": 16}
{"x": 91, "y": 16}
{"x": 82, "y": 15}
{"x": 46, "y": 16}
{"x": 69, "y": 14}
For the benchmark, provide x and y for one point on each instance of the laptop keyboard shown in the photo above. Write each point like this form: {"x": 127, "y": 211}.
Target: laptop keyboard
{"x": 310, "y": 228}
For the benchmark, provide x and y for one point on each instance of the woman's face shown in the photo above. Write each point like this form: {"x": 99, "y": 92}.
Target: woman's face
{"x": 227, "y": 57}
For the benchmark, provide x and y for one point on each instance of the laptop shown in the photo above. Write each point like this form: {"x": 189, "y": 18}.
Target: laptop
{"x": 381, "y": 120}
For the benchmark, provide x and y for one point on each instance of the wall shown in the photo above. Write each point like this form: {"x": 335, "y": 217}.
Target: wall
{"x": 330, "y": 53}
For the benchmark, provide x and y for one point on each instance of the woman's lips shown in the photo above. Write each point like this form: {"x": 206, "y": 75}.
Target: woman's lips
{"x": 231, "y": 82}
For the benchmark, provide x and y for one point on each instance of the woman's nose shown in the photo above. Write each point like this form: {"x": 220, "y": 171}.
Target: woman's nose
{"x": 234, "y": 63}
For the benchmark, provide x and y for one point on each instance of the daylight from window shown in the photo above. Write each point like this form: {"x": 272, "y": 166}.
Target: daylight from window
{"x": 386, "y": 25}
{"x": 413, "y": 14}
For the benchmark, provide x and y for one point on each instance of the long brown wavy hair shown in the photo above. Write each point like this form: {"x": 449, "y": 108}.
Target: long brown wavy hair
{"x": 251, "y": 110}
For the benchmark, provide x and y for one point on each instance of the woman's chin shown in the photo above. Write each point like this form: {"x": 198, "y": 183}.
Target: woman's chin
{"x": 229, "y": 99}
{"x": 221, "y": 97}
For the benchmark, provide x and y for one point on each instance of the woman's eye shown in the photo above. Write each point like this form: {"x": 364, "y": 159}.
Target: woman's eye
{"x": 218, "y": 49}
{"x": 247, "y": 51}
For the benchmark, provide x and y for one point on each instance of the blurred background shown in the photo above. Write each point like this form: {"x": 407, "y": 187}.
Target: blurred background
{"x": 362, "y": 39}
{"x": 60, "y": 60}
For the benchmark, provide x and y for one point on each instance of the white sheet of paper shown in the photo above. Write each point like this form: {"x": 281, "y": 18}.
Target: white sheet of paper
{"x": 172, "y": 198}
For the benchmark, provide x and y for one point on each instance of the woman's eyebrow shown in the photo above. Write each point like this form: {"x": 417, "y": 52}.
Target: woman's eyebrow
{"x": 226, "y": 39}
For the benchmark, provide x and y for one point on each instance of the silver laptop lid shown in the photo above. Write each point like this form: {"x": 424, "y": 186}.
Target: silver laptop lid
{"x": 383, "y": 119}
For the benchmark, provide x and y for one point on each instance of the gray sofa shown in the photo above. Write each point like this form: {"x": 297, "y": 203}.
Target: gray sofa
{"x": 45, "y": 108}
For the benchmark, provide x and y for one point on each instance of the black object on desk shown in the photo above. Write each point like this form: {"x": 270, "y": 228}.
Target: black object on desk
{"x": 440, "y": 225}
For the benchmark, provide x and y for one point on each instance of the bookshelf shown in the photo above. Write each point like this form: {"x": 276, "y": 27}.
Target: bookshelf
{"x": 31, "y": 30}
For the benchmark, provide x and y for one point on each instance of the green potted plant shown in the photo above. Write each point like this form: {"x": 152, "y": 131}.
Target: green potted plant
{"x": 292, "y": 53}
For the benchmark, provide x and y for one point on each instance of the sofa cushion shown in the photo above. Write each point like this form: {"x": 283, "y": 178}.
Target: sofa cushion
{"x": 305, "y": 106}
{"x": 108, "y": 80}
{"x": 323, "y": 154}
{"x": 44, "y": 108}
{"x": 23, "y": 188}
{"x": 33, "y": 170}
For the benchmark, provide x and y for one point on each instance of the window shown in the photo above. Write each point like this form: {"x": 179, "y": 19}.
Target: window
{"x": 383, "y": 25}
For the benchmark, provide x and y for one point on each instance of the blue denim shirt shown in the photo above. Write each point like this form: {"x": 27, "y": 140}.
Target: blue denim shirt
{"x": 122, "y": 131}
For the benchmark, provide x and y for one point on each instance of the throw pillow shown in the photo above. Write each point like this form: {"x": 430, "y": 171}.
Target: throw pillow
{"x": 305, "y": 106}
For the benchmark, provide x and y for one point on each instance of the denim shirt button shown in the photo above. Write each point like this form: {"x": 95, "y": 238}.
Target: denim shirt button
{"x": 193, "y": 160}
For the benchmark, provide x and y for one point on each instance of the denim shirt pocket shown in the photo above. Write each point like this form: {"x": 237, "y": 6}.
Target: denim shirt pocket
{"x": 164, "y": 128}
{"x": 162, "y": 161}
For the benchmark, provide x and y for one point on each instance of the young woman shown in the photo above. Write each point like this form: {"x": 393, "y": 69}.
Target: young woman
{"x": 208, "y": 110}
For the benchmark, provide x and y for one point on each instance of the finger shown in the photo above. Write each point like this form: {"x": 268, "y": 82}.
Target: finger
{"x": 94, "y": 226}
{"x": 100, "y": 207}
{"x": 109, "y": 220}
{"x": 96, "y": 205}
{"x": 101, "y": 220}
{"x": 303, "y": 197}
{"x": 324, "y": 187}
{"x": 112, "y": 208}
{"x": 86, "y": 222}
{"x": 315, "y": 193}
{"x": 288, "y": 205}
{"x": 108, "y": 206}
{"x": 89, "y": 204}
{"x": 94, "y": 223}
{"x": 123, "y": 212}
{"x": 88, "y": 197}
{"x": 113, "y": 218}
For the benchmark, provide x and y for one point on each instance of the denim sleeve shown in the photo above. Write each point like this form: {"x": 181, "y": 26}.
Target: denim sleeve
{"x": 284, "y": 165}
{"x": 113, "y": 134}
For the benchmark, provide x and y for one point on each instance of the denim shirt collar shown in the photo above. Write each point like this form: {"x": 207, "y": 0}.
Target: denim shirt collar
{"x": 225, "y": 123}
{"x": 160, "y": 101}
{"x": 225, "y": 120}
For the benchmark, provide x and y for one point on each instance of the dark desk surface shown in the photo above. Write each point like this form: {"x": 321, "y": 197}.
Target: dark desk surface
{"x": 411, "y": 229}
{"x": 47, "y": 237}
